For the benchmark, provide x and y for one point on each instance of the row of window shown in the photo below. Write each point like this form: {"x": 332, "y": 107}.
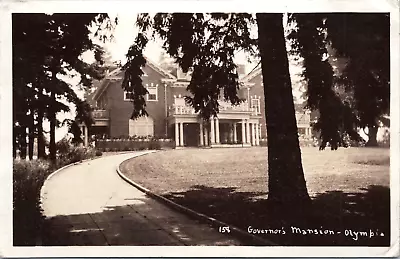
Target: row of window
{"x": 153, "y": 96}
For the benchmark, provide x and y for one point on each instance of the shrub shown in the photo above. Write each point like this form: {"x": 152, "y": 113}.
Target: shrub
{"x": 63, "y": 146}
{"x": 99, "y": 153}
{"x": 155, "y": 145}
{"x": 28, "y": 179}
{"x": 134, "y": 143}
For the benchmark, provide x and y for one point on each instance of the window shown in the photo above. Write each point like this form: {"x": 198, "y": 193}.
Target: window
{"x": 255, "y": 104}
{"x": 142, "y": 126}
{"x": 153, "y": 92}
{"x": 128, "y": 96}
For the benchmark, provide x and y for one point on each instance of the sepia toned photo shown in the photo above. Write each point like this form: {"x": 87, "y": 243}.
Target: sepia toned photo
{"x": 228, "y": 129}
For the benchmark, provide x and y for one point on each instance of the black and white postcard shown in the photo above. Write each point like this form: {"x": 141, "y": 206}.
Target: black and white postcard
{"x": 199, "y": 128}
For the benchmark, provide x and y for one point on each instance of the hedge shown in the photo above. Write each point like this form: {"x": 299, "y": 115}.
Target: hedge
{"x": 28, "y": 179}
{"x": 114, "y": 145}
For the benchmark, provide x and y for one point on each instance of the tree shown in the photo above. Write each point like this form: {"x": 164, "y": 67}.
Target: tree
{"x": 286, "y": 178}
{"x": 360, "y": 90}
{"x": 336, "y": 117}
{"x": 56, "y": 43}
{"x": 206, "y": 43}
{"x": 366, "y": 45}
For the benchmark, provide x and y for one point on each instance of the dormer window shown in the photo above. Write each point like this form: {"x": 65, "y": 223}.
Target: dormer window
{"x": 153, "y": 92}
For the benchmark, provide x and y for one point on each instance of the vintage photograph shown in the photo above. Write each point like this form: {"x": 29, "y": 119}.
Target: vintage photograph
{"x": 201, "y": 129}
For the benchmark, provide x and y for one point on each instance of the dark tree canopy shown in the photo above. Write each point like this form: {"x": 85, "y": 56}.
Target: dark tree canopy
{"x": 46, "y": 47}
{"x": 358, "y": 94}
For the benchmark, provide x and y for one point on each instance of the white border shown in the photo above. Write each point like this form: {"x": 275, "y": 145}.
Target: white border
{"x": 7, "y": 8}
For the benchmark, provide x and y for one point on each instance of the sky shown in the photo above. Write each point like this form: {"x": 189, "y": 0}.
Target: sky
{"x": 123, "y": 36}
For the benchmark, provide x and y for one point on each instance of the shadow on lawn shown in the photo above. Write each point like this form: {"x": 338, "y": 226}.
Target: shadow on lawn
{"x": 346, "y": 217}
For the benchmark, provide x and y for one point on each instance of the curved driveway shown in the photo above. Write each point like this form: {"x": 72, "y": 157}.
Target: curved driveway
{"x": 89, "y": 204}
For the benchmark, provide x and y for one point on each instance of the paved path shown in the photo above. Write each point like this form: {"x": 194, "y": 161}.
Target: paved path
{"x": 89, "y": 204}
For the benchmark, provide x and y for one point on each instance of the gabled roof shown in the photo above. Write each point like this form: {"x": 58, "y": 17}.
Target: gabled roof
{"x": 113, "y": 75}
{"x": 151, "y": 64}
{"x": 255, "y": 72}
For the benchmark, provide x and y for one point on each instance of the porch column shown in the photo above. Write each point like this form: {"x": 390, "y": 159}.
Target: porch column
{"x": 243, "y": 132}
{"x": 176, "y": 134}
{"x": 234, "y": 133}
{"x": 217, "y": 130}
{"x": 201, "y": 134}
{"x": 212, "y": 122}
{"x": 181, "y": 134}
{"x": 85, "y": 129}
{"x": 257, "y": 134}
{"x": 206, "y": 140}
{"x": 253, "y": 134}
{"x": 247, "y": 132}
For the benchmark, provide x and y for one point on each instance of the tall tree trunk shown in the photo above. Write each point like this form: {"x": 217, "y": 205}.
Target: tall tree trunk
{"x": 286, "y": 183}
{"x": 39, "y": 126}
{"x": 372, "y": 134}
{"x": 40, "y": 137}
{"x": 52, "y": 118}
{"x": 31, "y": 135}
{"x": 15, "y": 145}
{"x": 23, "y": 143}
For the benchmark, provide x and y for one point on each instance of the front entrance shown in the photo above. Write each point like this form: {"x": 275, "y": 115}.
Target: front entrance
{"x": 216, "y": 132}
{"x": 191, "y": 134}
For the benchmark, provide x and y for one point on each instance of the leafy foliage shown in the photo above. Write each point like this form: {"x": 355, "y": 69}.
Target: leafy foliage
{"x": 336, "y": 119}
{"x": 56, "y": 43}
{"x": 365, "y": 45}
{"x": 356, "y": 93}
{"x": 28, "y": 178}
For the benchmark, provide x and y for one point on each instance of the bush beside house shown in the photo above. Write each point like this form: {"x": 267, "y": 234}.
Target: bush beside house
{"x": 132, "y": 144}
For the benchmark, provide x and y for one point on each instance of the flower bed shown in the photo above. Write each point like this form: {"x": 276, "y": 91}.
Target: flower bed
{"x": 107, "y": 145}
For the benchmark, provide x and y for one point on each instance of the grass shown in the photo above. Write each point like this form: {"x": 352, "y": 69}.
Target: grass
{"x": 349, "y": 187}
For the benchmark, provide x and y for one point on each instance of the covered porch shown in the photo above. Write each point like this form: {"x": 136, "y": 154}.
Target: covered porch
{"x": 235, "y": 126}
{"x": 217, "y": 132}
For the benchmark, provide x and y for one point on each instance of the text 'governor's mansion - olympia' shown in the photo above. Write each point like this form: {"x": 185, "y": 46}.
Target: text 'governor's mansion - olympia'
{"x": 170, "y": 117}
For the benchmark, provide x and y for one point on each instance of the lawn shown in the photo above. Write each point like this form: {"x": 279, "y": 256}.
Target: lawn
{"x": 349, "y": 187}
